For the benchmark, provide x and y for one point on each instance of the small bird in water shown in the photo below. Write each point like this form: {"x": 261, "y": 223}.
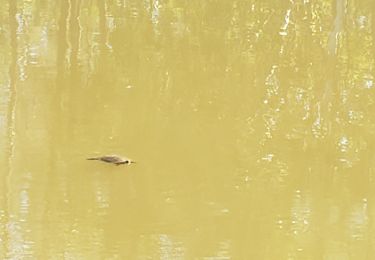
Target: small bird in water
{"x": 115, "y": 159}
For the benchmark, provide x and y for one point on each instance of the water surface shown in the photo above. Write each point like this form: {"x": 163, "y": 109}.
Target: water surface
{"x": 252, "y": 124}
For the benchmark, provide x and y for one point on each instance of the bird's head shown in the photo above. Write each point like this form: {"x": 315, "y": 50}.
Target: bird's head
{"x": 130, "y": 161}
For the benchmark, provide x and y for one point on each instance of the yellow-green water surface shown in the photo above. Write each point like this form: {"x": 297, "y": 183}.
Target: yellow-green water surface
{"x": 252, "y": 123}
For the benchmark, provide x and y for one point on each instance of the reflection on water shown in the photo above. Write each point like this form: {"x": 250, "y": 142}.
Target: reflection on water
{"x": 251, "y": 123}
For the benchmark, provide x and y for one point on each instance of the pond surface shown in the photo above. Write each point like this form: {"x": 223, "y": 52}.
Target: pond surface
{"x": 252, "y": 124}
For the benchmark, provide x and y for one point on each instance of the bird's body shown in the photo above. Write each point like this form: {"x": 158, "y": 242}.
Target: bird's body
{"x": 115, "y": 159}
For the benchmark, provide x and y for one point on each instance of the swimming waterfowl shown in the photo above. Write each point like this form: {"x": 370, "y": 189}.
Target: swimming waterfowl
{"x": 115, "y": 159}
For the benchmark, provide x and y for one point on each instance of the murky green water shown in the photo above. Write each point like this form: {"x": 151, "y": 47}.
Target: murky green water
{"x": 252, "y": 124}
